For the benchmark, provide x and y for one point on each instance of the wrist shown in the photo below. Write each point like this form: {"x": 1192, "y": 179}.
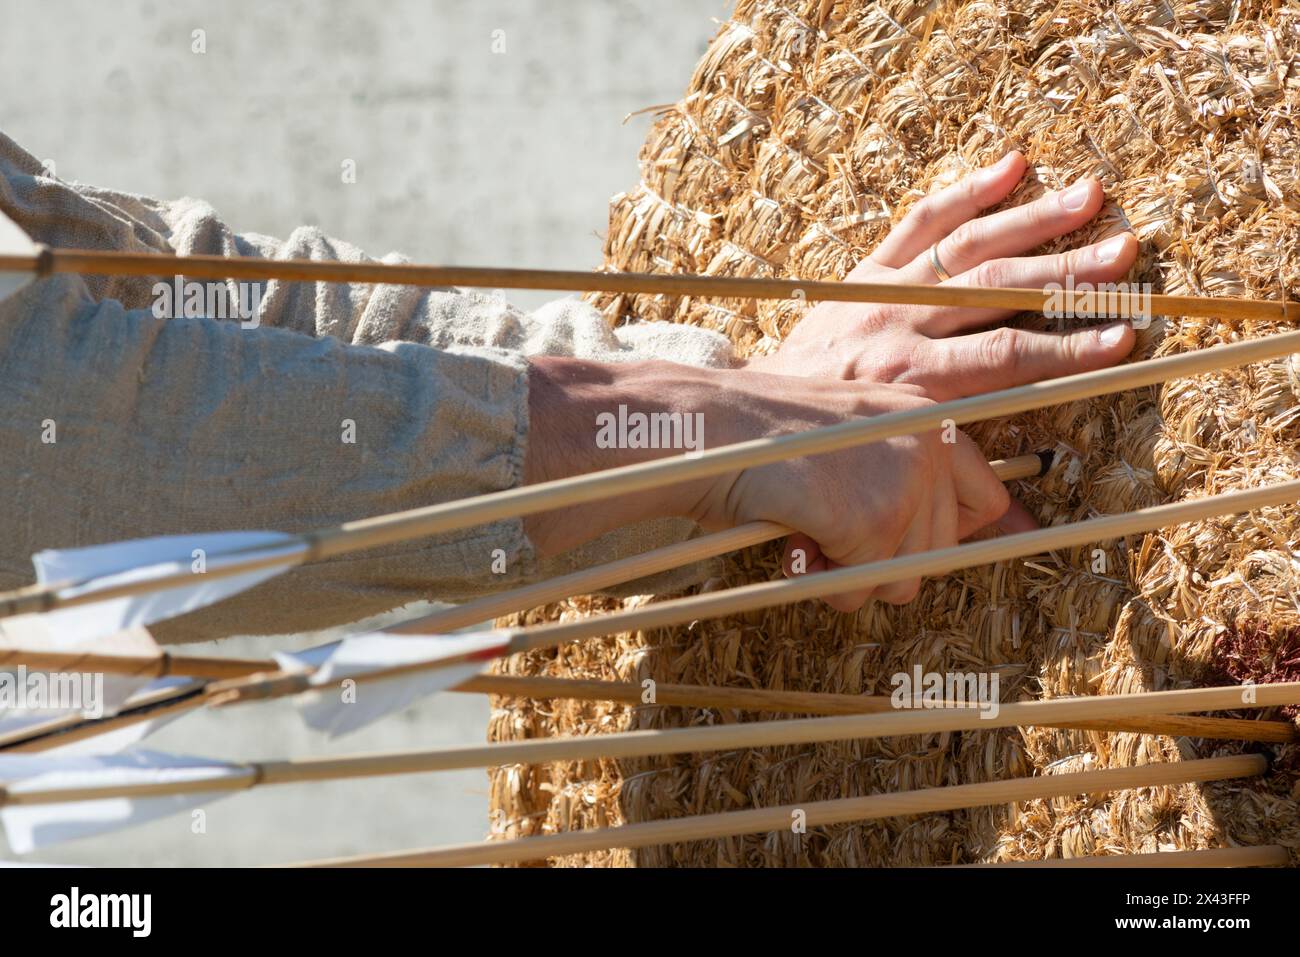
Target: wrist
{"x": 589, "y": 416}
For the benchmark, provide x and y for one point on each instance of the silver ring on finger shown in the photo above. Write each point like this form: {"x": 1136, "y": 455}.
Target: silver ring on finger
{"x": 937, "y": 265}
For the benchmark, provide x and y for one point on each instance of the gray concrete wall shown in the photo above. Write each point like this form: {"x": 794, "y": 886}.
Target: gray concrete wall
{"x": 462, "y": 154}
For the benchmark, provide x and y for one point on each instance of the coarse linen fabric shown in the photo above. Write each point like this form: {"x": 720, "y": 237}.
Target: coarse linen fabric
{"x": 175, "y": 424}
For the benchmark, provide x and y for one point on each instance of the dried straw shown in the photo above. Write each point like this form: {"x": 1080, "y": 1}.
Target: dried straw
{"x": 809, "y": 127}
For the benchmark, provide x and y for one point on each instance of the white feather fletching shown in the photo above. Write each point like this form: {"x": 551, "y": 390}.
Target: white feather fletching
{"x": 29, "y": 827}
{"x": 29, "y": 699}
{"x": 339, "y": 709}
{"x": 97, "y": 567}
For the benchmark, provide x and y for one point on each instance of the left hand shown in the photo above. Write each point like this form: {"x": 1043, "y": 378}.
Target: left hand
{"x": 937, "y": 347}
{"x": 949, "y": 352}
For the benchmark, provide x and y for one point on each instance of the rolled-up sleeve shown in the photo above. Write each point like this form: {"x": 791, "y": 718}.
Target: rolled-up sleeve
{"x": 332, "y": 402}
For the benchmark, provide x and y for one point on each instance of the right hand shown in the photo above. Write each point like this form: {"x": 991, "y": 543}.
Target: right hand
{"x": 897, "y": 497}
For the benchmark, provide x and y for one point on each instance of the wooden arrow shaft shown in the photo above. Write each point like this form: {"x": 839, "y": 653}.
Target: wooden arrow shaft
{"x": 628, "y": 744}
{"x": 450, "y": 619}
{"x": 113, "y": 263}
{"x": 813, "y": 814}
{"x": 826, "y": 703}
{"x": 68, "y": 730}
{"x": 628, "y": 569}
{"x": 561, "y": 493}
{"x": 766, "y": 594}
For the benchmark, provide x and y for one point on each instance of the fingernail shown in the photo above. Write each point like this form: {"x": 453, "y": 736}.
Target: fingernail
{"x": 1076, "y": 197}
{"x": 990, "y": 173}
{"x": 1112, "y": 335}
{"x": 1109, "y": 251}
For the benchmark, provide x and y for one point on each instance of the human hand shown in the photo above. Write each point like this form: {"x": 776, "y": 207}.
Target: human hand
{"x": 901, "y": 496}
{"x": 945, "y": 350}
{"x": 938, "y": 347}
{"x": 845, "y": 360}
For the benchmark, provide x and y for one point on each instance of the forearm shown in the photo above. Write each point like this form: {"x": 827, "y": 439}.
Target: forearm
{"x": 574, "y": 411}
{"x": 119, "y": 425}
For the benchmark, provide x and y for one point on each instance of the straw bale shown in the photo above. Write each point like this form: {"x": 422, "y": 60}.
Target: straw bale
{"x": 807, "y": 129}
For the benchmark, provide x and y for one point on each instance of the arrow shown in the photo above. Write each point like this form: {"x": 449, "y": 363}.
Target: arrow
{"x": 380, "y": 659}
{"x": 85, "y": 593}
{"x": 32, "y": 698}
{"x": 41, "y": 796}
{"x": 699, "y": 827}
{"x": 149, "y": 710}
{"x": 397, "y": 670}
{"x": 22, "y": 256}
{"x": 160, "y": 784}
{"x": 153, "y": 708}
{"x": 422, "y": 664}
{"x": 530, "y": 499}
{"x": 767, "y": 594}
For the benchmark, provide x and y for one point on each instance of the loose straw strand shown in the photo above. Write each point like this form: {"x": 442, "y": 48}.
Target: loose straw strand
{"x": 1265, "y": 855}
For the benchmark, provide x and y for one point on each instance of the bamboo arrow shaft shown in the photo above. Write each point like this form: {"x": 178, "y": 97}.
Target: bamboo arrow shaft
{"x": 652, "y": 562}
{"x": 690, "y": 740}
{"x": 765, "y": 594}
{"x": 91, "y": 262}
{"x": 825, "y": 703}
{"x": 153, "y": 666}
{"x": 637, "y": 566}
{"x": 814, "y": 814}
{"x": 531, "y": 499}
{"x": 752, "y": 597}
{"x": 942, "y": 561}
{"x": 561, "y": 493}
{"x": 68, "y": 730}
{"x": 586, "y": 581}
{"x": 763, "y": 734}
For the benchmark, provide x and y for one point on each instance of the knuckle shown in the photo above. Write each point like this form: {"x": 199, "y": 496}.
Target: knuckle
{"x": 889, "y": 364}
{"x": 1001, "y": 348}
{"x": 1066, "y": 264}
{"x": 919, "y": 370}
{"x": 924, "y": 213}
{"x": 992, "y": 272}
{"x": 965, "y": 241}
{"x": 996, "y": 505}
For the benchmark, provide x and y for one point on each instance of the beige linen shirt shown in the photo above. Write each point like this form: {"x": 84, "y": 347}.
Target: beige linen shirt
{"x": 171, "y": 425}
